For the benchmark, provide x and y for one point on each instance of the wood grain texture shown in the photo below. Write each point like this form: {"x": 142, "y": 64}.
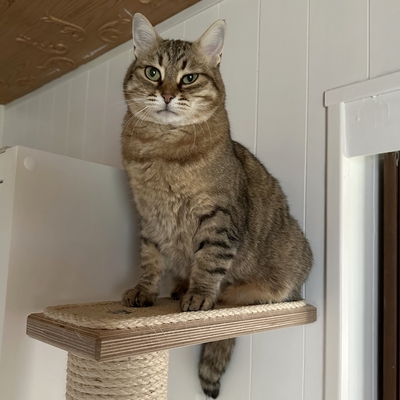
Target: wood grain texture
{"x": 41, "y": 41}
{"x": 101, "y": 344}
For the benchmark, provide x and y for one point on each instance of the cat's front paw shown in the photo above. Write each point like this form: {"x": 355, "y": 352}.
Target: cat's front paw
{"x": 138, "y": 297}
{"x": 196, "y": 302}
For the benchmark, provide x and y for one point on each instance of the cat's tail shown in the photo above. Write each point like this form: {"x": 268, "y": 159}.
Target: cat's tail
{"x": 213, "y": 362}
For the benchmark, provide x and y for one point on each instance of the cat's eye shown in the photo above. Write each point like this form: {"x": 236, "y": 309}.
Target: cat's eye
{"x": 189, "y": 78}
{"x": 152, "y": 73}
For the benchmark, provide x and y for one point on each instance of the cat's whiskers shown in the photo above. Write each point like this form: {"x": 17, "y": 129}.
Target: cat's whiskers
{"x": 144, "y": 111}
{"x": 128, "y": 122}
{"x": 119, "y": 102}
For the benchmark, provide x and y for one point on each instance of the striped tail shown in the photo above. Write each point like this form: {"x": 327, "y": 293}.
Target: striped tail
{"x": 213, "y": 362}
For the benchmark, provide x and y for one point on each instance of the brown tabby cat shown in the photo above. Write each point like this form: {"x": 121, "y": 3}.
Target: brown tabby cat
{"x": 210, "y": 212}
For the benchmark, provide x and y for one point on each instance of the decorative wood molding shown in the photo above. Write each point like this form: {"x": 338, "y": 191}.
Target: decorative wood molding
{"x": 57, "y": 62}
{"x": 77, "y": 32}
{"x": 47, "y": 47}
{"x": 5, "y": 3}
{"x": 109, "y": 32}
{"x": 41, "y": 41}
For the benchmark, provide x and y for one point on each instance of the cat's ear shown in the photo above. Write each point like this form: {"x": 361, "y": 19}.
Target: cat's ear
{"x": 143, "y": 33}
{"x": 211, "y": 42}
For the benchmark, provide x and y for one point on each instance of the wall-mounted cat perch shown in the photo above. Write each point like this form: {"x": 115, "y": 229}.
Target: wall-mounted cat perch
{"x": 115, "y": 352}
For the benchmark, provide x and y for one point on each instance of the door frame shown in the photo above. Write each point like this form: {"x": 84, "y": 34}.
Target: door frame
{"x": 363, "y": 120}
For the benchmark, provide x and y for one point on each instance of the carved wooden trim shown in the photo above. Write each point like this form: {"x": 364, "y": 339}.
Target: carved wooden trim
{"x": 43, "y": 40}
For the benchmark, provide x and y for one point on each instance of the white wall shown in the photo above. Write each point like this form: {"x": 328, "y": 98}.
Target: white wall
{"x": 280, "y": 57}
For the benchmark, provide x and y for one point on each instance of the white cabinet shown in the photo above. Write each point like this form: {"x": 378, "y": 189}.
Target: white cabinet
{"x": 67, "y": 234}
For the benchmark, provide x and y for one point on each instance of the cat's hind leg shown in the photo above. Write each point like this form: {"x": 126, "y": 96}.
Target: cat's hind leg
{"x": 253, "y": 293}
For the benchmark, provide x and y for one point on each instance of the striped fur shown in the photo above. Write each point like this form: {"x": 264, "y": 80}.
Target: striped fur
{"x": 211, "y": 214}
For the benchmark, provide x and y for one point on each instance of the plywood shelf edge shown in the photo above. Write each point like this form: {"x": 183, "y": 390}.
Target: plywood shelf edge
{"x": 105, "y": 344}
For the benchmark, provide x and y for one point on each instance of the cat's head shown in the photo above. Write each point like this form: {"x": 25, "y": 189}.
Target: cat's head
{"x": 174, "y": 82}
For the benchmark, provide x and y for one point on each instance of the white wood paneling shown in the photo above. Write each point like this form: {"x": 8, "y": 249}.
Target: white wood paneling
{"x": 46, "y": 132}
{"x": 281, "y": 141}
{"x": 241, "y": 50}
{"x": 9, "y": 134}
{"x": 384, "y": 37}
{"x": 32, "y": 122}
{"x": 175, "y": 32}
{"x": 95, "y": 114}
{"x": 277, "y": 363}
{"x": 60, "y": 118}
{"x": 338, "y": 55}
{"x": 115, "y": 109}
{"x": 182, "y": 374}
{"x": 275, "y": 75}
{"x": 77, "y": 111}
{"x": 24, "y": 123}
{"x": 282, "y": 96}
{"x": 198, "y": 24}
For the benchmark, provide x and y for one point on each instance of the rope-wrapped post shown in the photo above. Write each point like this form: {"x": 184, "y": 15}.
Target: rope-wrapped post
{"x": 116, "y": 352}
{"x": 140, "y": 377}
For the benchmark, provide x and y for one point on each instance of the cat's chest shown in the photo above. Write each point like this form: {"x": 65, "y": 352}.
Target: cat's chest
{"x": 158, "y": 181}
{"x": 167, "y": 195}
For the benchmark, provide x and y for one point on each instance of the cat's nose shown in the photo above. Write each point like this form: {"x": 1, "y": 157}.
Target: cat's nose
{"x": 167, "y": 97}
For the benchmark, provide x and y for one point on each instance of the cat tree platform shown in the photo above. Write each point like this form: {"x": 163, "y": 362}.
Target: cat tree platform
{"x": 117, "y": 352}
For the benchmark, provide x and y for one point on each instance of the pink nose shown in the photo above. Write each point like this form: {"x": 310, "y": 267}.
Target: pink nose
{"x": 167, "y": 97}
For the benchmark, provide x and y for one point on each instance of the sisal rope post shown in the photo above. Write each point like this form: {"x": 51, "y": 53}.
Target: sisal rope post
{"x": 121, "y": 353}
{"x": 140, "y": 377}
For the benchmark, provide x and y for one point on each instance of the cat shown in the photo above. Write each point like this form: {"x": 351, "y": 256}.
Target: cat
{"x": 210, "y": 212}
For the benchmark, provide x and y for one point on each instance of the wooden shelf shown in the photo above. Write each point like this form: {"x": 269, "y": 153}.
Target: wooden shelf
{"x": 109, "y": 344}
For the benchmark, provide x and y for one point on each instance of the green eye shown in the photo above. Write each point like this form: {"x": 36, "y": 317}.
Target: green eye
{"x": 189, "y": 78}
{"x": 152, "y": 73}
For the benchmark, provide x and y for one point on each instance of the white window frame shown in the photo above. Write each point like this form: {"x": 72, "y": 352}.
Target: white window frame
{"x": 363, "y": 121}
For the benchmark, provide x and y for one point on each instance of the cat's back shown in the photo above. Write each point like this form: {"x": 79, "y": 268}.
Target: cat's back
{"x": 264, "y": 189}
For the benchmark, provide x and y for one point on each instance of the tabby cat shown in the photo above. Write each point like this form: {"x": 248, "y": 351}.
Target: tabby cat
{"x": 211, "y": 214}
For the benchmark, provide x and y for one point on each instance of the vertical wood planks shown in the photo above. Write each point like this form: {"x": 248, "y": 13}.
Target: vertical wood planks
{"x": 77, "y": 111}
{"x": 95, "y": 114}
{"x": 241, "y": 51}
{"x": 44, "y": 140}
{"x": 61, "y": 116}
{"x": 9, "y": 136}
{"x": 277, "y": 360}
{"x": 32, "y": 125}
{"x": 183, "y": 382}
{"x": 197, "y": 25}
{"x": 282, "y": 96}
{"x": 115, "y": 109}
{"x": 175, "y": 32}
{"x": 281, "y": 144}
{"x": 384, "y": 37}
{"x": 338, "y": 55}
